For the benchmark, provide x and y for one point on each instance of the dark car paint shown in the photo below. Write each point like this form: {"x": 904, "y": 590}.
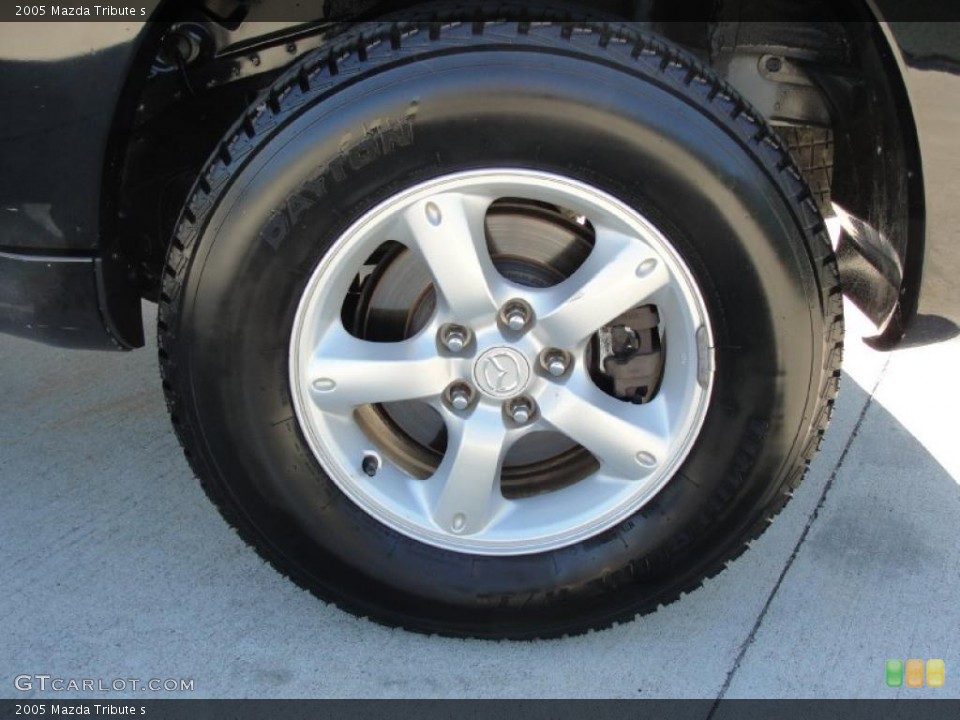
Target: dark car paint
{"x": 63, "y": 282}
{"x": 62, "y": 85}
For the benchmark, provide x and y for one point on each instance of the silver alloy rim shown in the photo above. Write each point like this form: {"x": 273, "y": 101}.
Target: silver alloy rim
{"x": 501, "y": 392}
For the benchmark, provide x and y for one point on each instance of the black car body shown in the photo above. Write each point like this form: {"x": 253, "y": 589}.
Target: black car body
{"x": 107, "y": 123}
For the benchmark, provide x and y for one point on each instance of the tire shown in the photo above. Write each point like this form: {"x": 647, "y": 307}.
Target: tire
{"x": 392, "y": 108}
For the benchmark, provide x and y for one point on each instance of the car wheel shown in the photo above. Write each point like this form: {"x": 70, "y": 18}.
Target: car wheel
{"x": 500, "y": 329}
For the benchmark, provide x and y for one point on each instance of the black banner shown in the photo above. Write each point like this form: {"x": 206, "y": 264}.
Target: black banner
{"x": 494, "y": 709}
{"x": 231, "y": 11}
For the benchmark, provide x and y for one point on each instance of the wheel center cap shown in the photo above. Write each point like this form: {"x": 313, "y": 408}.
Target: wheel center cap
{"x": 501, "y": 372}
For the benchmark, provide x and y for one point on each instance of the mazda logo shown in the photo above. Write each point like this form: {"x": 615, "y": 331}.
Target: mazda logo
{"x": 501, "y": 372}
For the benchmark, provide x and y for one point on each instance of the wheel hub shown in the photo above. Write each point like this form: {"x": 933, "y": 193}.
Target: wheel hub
{"x": 501, "y": 372}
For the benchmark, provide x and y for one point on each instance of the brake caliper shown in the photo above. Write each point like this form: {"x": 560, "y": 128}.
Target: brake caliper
{"x": 630, "y": 355}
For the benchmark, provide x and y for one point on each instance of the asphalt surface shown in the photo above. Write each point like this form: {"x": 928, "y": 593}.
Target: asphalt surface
{"x": 114, "y": 565}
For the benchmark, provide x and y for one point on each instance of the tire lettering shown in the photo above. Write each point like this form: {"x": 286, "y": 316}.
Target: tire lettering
{"x": 375, "y": 143}
{"x": 397, "y": 134}
{"x": 275, "y": 230}
{"x": 364, "y": 152}
{"x": 297, "y": 205}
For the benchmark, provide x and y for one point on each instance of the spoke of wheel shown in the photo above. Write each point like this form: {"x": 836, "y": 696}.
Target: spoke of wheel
{"x": 346, "y": 372}
{"x": 470, "y": 473}
{"x": 447, "y": 230}
{"x": 616, "y": 433}
{"x": 620, "y": 273}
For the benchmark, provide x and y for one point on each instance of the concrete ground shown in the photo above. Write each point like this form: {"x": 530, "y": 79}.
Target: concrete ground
{"x": 114, "y": 565}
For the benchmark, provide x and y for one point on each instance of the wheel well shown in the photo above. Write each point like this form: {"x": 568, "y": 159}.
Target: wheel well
{"x": 820, "y": 73}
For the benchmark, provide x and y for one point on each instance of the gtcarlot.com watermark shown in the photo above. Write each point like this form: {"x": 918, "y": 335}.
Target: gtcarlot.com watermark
{"x": 52, "y": 683}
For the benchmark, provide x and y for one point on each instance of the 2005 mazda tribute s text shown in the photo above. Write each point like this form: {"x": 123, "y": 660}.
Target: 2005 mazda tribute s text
{"x": 499, "y": 321}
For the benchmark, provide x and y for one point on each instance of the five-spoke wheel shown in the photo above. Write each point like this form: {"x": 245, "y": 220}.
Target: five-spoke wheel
{"x": 500, "y": 361}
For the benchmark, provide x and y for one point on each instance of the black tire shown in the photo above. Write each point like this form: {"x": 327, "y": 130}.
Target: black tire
{"x": 624, "y": 111}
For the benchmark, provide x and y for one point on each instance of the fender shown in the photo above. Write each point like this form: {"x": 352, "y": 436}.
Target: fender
{"x": 63, "y": 85}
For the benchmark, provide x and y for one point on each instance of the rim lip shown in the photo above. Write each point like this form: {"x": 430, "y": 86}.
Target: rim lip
{"x": 347, "y": 479}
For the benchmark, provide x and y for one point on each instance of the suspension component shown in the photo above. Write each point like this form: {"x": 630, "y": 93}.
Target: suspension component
{"x": 630, "y": 356}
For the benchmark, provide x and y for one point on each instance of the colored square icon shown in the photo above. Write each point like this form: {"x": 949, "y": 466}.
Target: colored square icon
{"x": 894, "y": 673}
{"x": 936, "y": 672}
{"x": 914, "y": 673}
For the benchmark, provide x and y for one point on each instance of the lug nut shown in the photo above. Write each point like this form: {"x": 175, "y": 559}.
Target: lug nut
{"x": 454, "y": 337}
{"x": 516, "y": 320}
{"x": 455, "y": 342}
{"x": 516, "y": 315}
{"x": 520, "y": 410}
{"x": 460, "y": 399}
{"x": 459, "y": 396}
{"x": 555, "y": 363}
